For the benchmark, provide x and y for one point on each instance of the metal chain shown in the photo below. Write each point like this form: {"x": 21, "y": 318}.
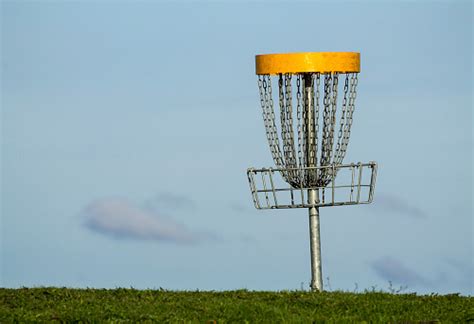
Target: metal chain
{"x": 286, "y": 126}
{"x": 271, "y": 112}
{"x": 326, "y": 118}
{"x": 289, "y": 119}
{"x": 311, "y": 138}
{"x": 316, "y": 116}
{"x": 299, "y": 116}
{"x": 304, "y": 142}
{"x": 335, "y": 82}
{"x": 339, "y": 154}
{"x": 266, "y": 101}
{"x": 330, "y": 105}
{"x": 262, "y": 86}
{"x": 351, "y": 108}
{"x": 281, "y": 100}
{"x": 312, "y": 144}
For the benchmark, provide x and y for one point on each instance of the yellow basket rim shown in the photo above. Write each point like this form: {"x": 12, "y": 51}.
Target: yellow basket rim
{"x": 307, "y": 62}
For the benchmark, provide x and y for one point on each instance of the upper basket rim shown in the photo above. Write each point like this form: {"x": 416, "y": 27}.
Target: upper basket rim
{"x": 307, "y": 62}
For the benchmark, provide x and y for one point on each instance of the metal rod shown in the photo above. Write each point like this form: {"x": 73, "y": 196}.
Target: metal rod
{"x": 315, "y": 244}
{"x": 313, "y": 194}
{"x": 273, "y": 187}
{"x": 360, "y": 181}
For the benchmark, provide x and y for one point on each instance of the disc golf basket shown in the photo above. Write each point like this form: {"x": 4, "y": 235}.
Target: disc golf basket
{"x": 316, "y": 95}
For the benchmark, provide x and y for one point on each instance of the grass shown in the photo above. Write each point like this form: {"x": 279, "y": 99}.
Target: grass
{"x": 131, "y": 305}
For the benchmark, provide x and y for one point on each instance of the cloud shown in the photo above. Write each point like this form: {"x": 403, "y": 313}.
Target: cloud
{"x": 394, "y": 270}
{"x": 120, "y": 219}
{"x": 392, "y": 203}
{"x": 170, "y": 201}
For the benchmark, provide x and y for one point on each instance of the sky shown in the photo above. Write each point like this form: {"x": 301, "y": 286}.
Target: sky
{"x": 127, "y": 128}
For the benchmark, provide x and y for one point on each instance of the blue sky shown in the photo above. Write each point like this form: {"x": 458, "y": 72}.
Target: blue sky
{"x": 127, "y": 128}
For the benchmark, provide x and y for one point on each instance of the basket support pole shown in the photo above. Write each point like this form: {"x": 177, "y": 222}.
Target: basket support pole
{"x": 315, "y": 244}
{"x": 313, "y": 194}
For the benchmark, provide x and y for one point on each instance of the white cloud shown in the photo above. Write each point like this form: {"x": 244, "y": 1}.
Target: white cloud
{"x": 121, "y": 219}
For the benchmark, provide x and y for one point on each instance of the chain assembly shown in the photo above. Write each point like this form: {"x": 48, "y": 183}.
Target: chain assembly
{"x": 320, "y": 139}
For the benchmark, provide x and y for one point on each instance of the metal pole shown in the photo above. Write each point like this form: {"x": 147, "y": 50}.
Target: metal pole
{"x": 315, "y": 244}
{"x": 313, "y": 194}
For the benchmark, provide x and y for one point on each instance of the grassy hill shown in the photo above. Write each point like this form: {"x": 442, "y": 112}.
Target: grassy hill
{"x": 130, "y": 305}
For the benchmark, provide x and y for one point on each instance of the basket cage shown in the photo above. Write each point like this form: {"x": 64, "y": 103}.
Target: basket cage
{"x": 354, "y": 184}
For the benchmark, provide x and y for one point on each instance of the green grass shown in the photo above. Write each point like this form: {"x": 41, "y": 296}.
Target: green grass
{"x": 130, "y": 305}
